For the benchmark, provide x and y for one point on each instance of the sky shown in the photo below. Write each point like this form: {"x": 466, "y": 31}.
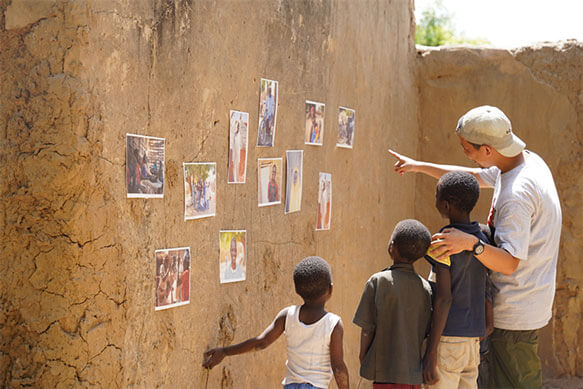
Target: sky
{"x": 513, "y": 23}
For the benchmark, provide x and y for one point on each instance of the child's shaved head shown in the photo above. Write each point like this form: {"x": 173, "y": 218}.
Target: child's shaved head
{"x": 411, "y": 239}
{"x": 312, "y": 277}
{"x": 460, "y": 189}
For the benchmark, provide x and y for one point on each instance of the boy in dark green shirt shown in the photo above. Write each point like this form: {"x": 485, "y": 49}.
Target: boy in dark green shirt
{"x": 395, "y": 311}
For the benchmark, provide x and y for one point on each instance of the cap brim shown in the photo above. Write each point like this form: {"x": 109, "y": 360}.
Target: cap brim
{"x": 514, "y": 148}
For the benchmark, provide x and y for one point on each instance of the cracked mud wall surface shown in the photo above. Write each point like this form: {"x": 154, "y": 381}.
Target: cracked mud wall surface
{"x": 540, "y": 88}
{"x": 77, "y": 289}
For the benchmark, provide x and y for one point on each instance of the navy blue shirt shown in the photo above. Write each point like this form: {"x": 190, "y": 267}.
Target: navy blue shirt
{"x": 467, "y": 315}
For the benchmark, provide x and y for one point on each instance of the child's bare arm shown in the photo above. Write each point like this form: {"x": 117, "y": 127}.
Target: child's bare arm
{"x": 441, "y": 306}
{"x": 214, "y": 356}
{"x": 489, "y": 318}
{"x": 366, "y": 338}
{"x": 337, "y": 357}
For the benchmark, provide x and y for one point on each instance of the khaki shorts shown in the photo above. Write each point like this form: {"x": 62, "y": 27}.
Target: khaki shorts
{"x": 457, "y": 362}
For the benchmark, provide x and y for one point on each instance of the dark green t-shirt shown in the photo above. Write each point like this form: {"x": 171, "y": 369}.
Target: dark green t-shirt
{"x": 396, "y": 305}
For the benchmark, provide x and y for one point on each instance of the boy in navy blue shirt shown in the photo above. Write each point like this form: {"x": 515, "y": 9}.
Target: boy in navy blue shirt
{"x": 453, "y": 352}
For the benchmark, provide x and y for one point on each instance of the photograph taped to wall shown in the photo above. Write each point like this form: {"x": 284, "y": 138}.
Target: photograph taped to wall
{"x": 144, "y": 166}
{"x": 346, "y": 118}
{"x": 314, "y": 133}
{"x": 232, "y": 256}
{"x": 200, "y": 190}
{"x": 324, "y": 202}
{"x": 172, "y": 278}
{"x": 267, "y": 113}
{"x": 293, "y": 187}
{"x": 238, "y": 141}
{"x": 269, "y": 178}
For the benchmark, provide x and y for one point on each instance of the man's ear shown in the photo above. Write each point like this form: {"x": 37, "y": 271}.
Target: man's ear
{"x": 487, "y": 149}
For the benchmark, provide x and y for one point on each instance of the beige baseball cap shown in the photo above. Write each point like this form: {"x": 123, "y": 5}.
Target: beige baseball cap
{"x": 488, "y": 125}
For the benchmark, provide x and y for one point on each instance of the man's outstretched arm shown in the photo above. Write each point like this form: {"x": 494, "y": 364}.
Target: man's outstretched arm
{"x": 405, "y": 165}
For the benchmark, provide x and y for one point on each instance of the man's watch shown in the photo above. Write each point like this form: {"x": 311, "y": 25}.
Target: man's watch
{"x": 478, "y": 248}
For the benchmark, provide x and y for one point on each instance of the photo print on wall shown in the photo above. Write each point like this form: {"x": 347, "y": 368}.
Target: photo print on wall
{"x": 238, "y": 141}
{"x": 314, "y": 133}
{"x": 144, "y": 166}
{"x": 293, "y": 187}
{"x": 172, "y": 278}
{"x": 232, "y": 256}
{"x": 324, "y": 202}
{"x": 269, "y": 175}
{"x": 346, "y": 118}
{"x": 200, "y": 190}
{"x": 267, "y": 113}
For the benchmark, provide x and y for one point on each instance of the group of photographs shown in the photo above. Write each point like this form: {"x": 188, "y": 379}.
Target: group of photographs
{"x": 145, "y": 159}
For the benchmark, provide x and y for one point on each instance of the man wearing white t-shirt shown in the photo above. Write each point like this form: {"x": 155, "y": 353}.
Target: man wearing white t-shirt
{"x": 525, "y": 218}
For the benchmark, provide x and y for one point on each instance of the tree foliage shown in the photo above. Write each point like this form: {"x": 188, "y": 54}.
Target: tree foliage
{"x": 436, "y": 28}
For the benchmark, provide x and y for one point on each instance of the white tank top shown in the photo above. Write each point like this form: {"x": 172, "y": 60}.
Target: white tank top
{"x": 308, "y": 349}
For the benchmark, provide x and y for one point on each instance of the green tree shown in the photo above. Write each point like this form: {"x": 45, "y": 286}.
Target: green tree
{"x": 436, "y": 28}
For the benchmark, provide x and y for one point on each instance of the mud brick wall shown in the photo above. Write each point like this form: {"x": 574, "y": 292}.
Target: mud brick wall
{"x": 540, "y": 88}
{"x": 77, "y": 285}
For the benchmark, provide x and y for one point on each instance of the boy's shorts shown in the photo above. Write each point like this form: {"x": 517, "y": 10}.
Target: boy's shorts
{"x": 514, "y": 361}
{"x": 395, "y": 386}
{"x": 457, "y": 362}
{"x": 303, "y": 385}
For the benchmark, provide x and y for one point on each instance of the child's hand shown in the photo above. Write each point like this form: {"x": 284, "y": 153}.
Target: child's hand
{"x": 213, "y": 357}
{"x": 430, "y": 376}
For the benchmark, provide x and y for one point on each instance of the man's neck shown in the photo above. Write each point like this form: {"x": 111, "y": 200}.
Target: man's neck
{"x": 505, "y": 164}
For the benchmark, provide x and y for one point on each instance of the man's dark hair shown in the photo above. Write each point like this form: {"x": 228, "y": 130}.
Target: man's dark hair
{"x": 460, "y": 189}
{"x": 411, "y": 239}
{"x": 312, "y": 277}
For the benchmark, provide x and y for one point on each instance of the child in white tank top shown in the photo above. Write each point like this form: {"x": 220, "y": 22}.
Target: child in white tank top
{"x": 314, "y": 336}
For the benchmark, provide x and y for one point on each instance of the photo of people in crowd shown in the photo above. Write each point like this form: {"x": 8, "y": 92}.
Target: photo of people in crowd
{"x": 144, "y": 166}
{"x": 172, "y": 278}
{"x": 238, "y": 131}
{"x": 345, "y": 127}
{"x": 232, "y": 256}
{"x": 324, "y": 202}
{"x": 269, "y": 181}
{"x": 314, "y": 134}
{"x": 267, "y": 113}
{"x": 200, "y": 189}
{"x": 293, "y": 187}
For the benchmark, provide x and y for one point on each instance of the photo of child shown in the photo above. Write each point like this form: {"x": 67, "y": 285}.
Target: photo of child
{"x": 232, "y": 256}
{"x": 345, "y": 127}
{"x": 200, "y": 188}
{"x": 267, "y": 113}
{"x": 314, "y": 133}
{"x": 293, "y": 188}
{"x": 324, "y": 202}
{"x": 172, "y": 278}
{"x": 238, "y": 138}
{"x": 144, "y": 166}
{"x": 269, "y": 181}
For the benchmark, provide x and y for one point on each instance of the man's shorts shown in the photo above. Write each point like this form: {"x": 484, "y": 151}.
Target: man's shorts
{"x": 513, "y": 359}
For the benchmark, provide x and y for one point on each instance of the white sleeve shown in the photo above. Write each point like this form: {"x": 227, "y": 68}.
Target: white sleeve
{"x": 490, "y": 175}
{"x": 513, "y": 227}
